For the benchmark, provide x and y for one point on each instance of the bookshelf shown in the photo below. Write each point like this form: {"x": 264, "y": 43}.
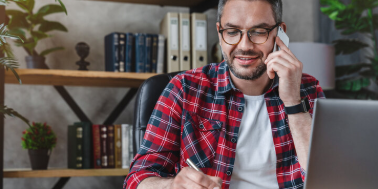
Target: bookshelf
{"x": 60, "y": 78}
{"x": 77, "y": 78}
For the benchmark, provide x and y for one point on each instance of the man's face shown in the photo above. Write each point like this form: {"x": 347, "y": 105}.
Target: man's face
{"x": 246, "y": 60}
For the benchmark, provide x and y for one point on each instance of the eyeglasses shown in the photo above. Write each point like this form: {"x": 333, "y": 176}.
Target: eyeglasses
{"x": 233, "y": 36}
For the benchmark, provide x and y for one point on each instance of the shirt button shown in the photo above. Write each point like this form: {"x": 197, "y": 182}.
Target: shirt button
{"x": 201, "y": 126}
{"x": 233, "y": 140}
{"x": 240, "y": 108}
{"x": 228, "y": 173}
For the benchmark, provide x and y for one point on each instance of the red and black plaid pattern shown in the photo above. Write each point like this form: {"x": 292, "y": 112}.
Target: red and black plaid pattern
{"x": 198, "y": 117}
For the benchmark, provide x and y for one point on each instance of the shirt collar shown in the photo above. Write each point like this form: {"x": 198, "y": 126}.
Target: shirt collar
{"x": 225, "y": 84}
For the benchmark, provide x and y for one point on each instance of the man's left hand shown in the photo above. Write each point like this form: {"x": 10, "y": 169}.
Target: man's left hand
{"x": 289, "y": 70}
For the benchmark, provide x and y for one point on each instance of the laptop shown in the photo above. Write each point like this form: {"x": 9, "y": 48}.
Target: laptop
{"x": 344, "y": 145}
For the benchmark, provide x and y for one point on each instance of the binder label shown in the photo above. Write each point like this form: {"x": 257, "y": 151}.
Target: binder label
{"x": 174, "y": 33}
{"x": 185, "y": 35}
{"x": 201, "y": 35}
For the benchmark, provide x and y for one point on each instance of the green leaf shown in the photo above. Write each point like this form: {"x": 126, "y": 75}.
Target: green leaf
{"x": 348, "y": 46}
{"x": 62, "y": 5}
{"x": 5, "y": 2}
{"x": 17, "y": 19}
{"x": 38, "y": 35}
{"x": 18, "y": 32}
{"x": 7, "y": 49}
{"x": 10, "y": 63}
{"x": 10, "y": 112}
{"x": 4, "y": 33}
{"x": 26, "y": 5}
{"x": 49, "y": 9}
{"x": 350, "y": 69}
{"x": 48, "y": 51}
{"x": 47, "y": 26}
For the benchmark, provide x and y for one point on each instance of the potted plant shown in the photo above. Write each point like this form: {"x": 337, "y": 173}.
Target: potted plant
{"x": 39, "y": 139}
{"x": 33, "y": 27}
{"x": 356, "y": 17}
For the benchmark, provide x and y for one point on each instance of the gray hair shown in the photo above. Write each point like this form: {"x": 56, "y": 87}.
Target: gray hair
{"x": 276, "y": 7}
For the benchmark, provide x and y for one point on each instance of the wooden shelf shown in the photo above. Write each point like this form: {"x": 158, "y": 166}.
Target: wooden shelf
{"x": 77, "y": 78}
{"x": 179, "y": 3}
{"x": 28, "y": 173}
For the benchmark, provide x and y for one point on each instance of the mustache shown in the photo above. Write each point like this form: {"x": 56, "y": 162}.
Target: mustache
{"x": 246, "y": 53}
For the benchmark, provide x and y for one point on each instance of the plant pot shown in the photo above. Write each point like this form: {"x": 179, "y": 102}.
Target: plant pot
{"x": 39, "y": 159}
{"x": 35, "y": 62}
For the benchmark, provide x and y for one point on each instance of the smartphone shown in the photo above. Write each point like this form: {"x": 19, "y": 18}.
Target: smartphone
{"x": 281, "y": 33}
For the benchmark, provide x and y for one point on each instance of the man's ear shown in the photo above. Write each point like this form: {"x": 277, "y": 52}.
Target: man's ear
{"x": 283, "y": 26}
{"x": 219, "y": 35}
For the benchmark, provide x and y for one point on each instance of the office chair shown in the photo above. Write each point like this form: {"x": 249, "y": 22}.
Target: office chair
{"x": 147, "y": 96}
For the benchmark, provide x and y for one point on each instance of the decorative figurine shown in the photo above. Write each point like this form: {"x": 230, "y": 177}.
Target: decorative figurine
{"x": 82, "y": 49}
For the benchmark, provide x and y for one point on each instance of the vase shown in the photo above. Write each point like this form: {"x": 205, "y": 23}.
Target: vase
{"x": 39, "y": 159}
{"x": 35, "y": 62}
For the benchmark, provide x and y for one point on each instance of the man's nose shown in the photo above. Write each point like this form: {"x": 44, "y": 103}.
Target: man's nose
{"x": 245, "y": 44}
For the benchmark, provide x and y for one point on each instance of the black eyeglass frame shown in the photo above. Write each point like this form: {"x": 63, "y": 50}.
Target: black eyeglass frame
{"x": 249, "y": 35}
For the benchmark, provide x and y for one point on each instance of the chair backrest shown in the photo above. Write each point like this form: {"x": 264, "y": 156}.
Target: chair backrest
{"x": 147, "y": 96}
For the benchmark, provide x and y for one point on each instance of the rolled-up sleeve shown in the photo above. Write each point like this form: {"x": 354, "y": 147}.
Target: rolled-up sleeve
{"x": 159, "y": 152}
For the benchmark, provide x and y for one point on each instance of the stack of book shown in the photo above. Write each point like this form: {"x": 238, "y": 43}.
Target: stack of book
{"x": 139, "y": 52}
{"x": 99, "y": 146}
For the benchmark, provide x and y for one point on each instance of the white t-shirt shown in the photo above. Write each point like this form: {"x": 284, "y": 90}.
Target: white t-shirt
{"x": 255, "y": 160}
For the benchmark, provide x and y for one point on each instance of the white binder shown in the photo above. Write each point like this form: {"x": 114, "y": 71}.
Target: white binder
{"x": 169, "y": 27}
{"x": 199, "y": 40}
{"x": 185, "y": 46}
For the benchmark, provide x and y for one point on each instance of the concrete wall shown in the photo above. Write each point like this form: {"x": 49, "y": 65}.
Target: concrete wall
{"x": 89, "y": 22}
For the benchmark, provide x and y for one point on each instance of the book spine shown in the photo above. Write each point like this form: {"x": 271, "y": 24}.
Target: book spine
{"x": 96, "y": 146}
{"x": 104, "y": 154}
{"x": 161, "y": 54}
{"x": 79, "y": 149}
{"x": 148, "y": 56}
{"x": 139, "y": 53}
{"x": 154, "y": 53}
{"x": 87, "y": 145}
{"x": 117, "y": 146}
{"x": 116, "y": 52}
{"x": 130, "y": 139}
{"x": 111, "y": 52}
{"x": 122, "y": 47}
{"x": 125, "y": 146}
{"x": 130, "y": 55}
{"x": 110, "y": 146}
{"x": 71, "y": 147}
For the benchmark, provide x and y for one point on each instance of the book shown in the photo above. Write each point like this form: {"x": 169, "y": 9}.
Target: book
{"x": 199, "y": 40}
{"x": 154, "y": 53}
{"x": 86, "y": 148}
{"x": 130, "y": 53}
{"x": 169, "y": 27}
{"x": 140, "y": 44}
{"x": 148, "y": 55}
{"x": 110, "y": 146}
{"x": 96, "y": 146}
{"x": 185, "y": 50}
{"x": 103, "y": 141}
{"x": 161, "y": 55}
{"x": 112, "y": 52}
{"x": 117, "y": 146}
{"x": 74, "y": 143}
{"x": 130, "y": 139}
{"x": 122, "y": 56}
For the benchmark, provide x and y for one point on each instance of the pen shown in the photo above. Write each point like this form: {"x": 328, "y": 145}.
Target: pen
{"x": 192, "y": 165}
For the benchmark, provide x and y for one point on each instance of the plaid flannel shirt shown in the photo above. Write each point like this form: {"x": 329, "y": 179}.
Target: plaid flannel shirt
{"x": 198, "y": 117}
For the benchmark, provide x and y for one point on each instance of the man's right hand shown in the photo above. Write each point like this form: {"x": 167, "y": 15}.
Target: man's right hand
{"x": 189, "y": 178}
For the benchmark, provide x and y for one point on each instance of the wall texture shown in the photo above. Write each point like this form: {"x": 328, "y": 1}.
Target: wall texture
{"x": 89, "y": 22}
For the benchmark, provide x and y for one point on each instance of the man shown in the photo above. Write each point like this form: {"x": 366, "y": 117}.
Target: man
{"x": 231, "y": 119}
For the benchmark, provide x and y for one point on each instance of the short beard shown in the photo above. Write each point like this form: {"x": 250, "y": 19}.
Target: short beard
{"x": 256, "y": 73}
